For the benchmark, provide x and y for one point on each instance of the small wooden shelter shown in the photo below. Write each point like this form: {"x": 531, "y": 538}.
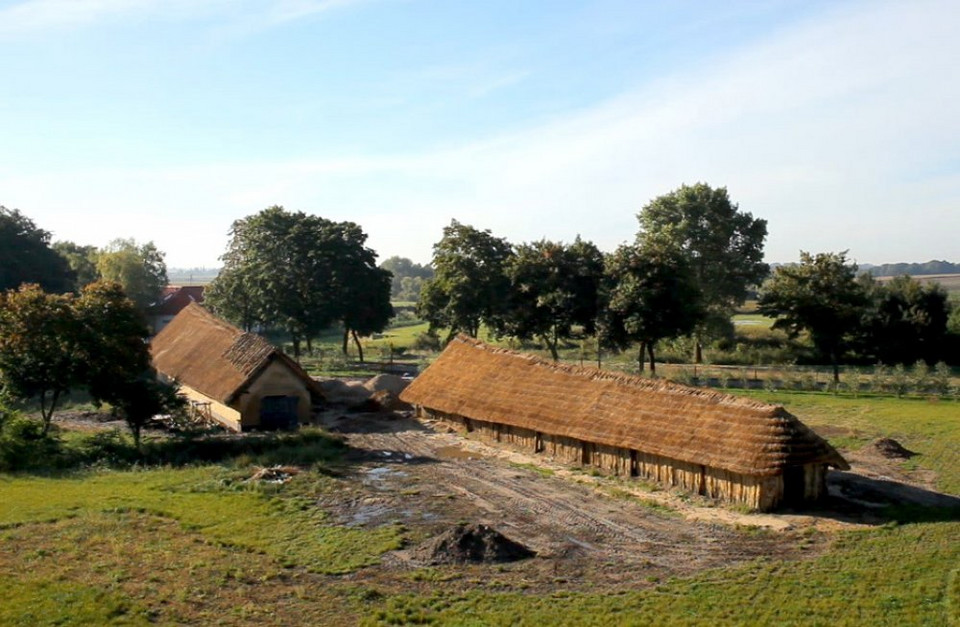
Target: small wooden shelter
{"x": 708, "y": 443}
{"x": 235, "y": 378}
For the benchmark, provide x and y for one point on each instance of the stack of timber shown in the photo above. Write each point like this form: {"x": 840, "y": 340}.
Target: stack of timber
{"x": 721, "y": 446}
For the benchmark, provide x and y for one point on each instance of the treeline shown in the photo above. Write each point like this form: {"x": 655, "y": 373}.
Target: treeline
{"x": 693, "y": 261}
{"x": 72, "y": 318}
{"x": 914, "y": 269}
{"x": 690, "y": 265}
{"x": 28, "y": 256}
{"x": 408, "y": 278}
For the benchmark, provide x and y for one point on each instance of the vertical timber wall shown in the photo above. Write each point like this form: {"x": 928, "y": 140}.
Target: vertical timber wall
{"x": 763, "y": 493}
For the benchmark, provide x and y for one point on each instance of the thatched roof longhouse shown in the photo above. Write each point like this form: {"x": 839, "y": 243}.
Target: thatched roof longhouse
{"x": 212, "y": 356}
{"x": 692, "y": 425}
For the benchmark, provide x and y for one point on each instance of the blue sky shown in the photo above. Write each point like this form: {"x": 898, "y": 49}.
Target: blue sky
{"x": 166, "y": 120}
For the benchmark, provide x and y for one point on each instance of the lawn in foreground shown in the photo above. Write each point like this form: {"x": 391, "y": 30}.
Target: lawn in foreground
{"x": 201, "y": 545}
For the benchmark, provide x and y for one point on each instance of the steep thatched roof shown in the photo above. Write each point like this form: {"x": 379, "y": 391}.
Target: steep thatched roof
{"x": 212, "y": 356}
{"x": 687, "y": 424}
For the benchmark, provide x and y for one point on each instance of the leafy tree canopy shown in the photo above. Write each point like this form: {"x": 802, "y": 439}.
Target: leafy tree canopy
{"x": 39, "y": 341}
{"x": 300, "y": 273}
{"x": 82, "y": 261}
{"x": 906, "y": 322}
{"x": 553, "y": 287}
{"x": 51, "y": 344}
{"x": 821, "y": 296}
{"x": 138, "y": 268}
{"x": 407, "y": 278}
{"x": 651, "y": 294}
{"x": 470, "y": 284}
{"x": 723, "y": 246}
{"x": 26, "y": 256}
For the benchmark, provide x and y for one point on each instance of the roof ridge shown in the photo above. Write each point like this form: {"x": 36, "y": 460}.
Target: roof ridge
{"x": 597, "y": 374}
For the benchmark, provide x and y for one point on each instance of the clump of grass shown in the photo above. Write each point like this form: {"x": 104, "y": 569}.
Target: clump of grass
{"x": 540, "y": 470}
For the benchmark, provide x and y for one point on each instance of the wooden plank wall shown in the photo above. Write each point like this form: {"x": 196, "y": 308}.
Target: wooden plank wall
{"x": 762, "y": 493}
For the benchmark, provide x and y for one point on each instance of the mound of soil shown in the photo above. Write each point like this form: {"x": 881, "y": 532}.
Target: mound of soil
{"x": 477, "y": 544}
{"x": 340, "y": 392}
{"x": 389, "y": 382}
{"x": 389, "y": 401}
{"x": 892, "y": 449}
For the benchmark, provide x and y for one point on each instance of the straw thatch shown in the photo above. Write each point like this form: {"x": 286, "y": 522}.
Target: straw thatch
{"x": 215, "y": 358}
{"x": 563, "y": 407}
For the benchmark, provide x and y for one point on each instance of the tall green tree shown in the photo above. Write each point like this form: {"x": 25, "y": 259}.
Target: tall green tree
{"x": 39, "y": 347}
{"x": 26, "y": 255}
{"x": 553, "y": 288}
{"x": 137, "y": 400}
{"x": 139, "y": 268}
{"x": 362, "y": 288}
{"x": 470, "y": 283}
{"x": 300, "y": 273}
{"x": 723, "y": 247}
{"x": 906, "y": 321}
{"x": 650, "y": 294}
{"x": 408, "y": 277}
{"x": 820, "y": 296}
{"x": 82, "y": 261}
{"x": 51, "y": 344}
{"x": 113, "y": 339}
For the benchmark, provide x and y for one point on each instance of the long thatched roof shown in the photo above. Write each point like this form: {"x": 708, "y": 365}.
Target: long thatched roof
{"x": 214, "y": 357}
{"x": 697, "y": 426}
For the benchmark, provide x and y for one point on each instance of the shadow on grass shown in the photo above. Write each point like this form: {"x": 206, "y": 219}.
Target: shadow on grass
{"x": 855, "y": 498}
{"x": 33, "y": 453}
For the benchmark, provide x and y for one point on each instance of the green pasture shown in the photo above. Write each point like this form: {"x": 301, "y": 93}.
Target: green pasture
{"x": 182, "y": 544}
{"x": 927, "y": 426}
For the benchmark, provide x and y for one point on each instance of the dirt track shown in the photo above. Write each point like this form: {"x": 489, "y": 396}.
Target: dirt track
{"x": 428, "y": 479}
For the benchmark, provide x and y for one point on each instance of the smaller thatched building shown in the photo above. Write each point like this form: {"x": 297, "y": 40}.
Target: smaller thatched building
{"x": 235, "y": 378}
{"x": 708, "y": 443}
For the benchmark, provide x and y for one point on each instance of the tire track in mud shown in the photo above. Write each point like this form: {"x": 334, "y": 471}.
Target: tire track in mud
{"x": 554, "y": 515}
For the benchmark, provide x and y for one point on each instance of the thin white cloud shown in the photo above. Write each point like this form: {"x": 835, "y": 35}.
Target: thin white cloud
{"x": 840, "y": 132}
{"x": 39, "y": 16}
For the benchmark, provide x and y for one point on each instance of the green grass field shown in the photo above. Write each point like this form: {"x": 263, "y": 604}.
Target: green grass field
{"x": 202, "y": 545}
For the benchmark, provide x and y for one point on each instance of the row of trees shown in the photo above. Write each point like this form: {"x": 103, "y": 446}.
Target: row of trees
{"x": 302, "y": 274}
{"x": 694, "y": 260}
{"x": 28, "y": 256}
{"x": 689, "y": 267}
{"x": 852, "y": 316}
{"x": 52, "y": 344}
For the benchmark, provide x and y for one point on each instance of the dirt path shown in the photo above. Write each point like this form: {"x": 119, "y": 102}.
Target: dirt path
{"x": 429, "y": 480}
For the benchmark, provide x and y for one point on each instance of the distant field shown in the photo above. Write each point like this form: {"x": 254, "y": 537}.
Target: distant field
{"x": 949, "y": 282}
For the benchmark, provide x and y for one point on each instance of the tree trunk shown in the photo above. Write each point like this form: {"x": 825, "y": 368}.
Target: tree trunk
{"x": 552, "y": 346}
{"x": 356, "y": 340}
{"x": 697, "y": 350}
{"x": 653, "y": 363}
{"x": 46, "y": 413}
{"x": 135, "y": 429}
{"x": 309, "y": 346}
{"x": 640, "y": 357}
{"x": 346, "y": 338}
{"x": 836, "y": 366}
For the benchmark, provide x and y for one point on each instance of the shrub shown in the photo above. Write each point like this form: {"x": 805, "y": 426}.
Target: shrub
{"x": 940, "y": 380}
{"x": 878, "y": 384}
{"x": 921, "y": 377}
{"x": 899, "y": 380}
{"x": 426, "y": 341}
{"x": 25, "y": 446}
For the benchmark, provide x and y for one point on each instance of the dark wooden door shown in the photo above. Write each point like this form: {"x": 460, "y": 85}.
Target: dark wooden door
{"x": 278, "y": 412}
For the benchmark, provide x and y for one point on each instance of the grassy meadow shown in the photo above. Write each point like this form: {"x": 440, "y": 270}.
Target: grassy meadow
{"x": 179, "y": 543}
